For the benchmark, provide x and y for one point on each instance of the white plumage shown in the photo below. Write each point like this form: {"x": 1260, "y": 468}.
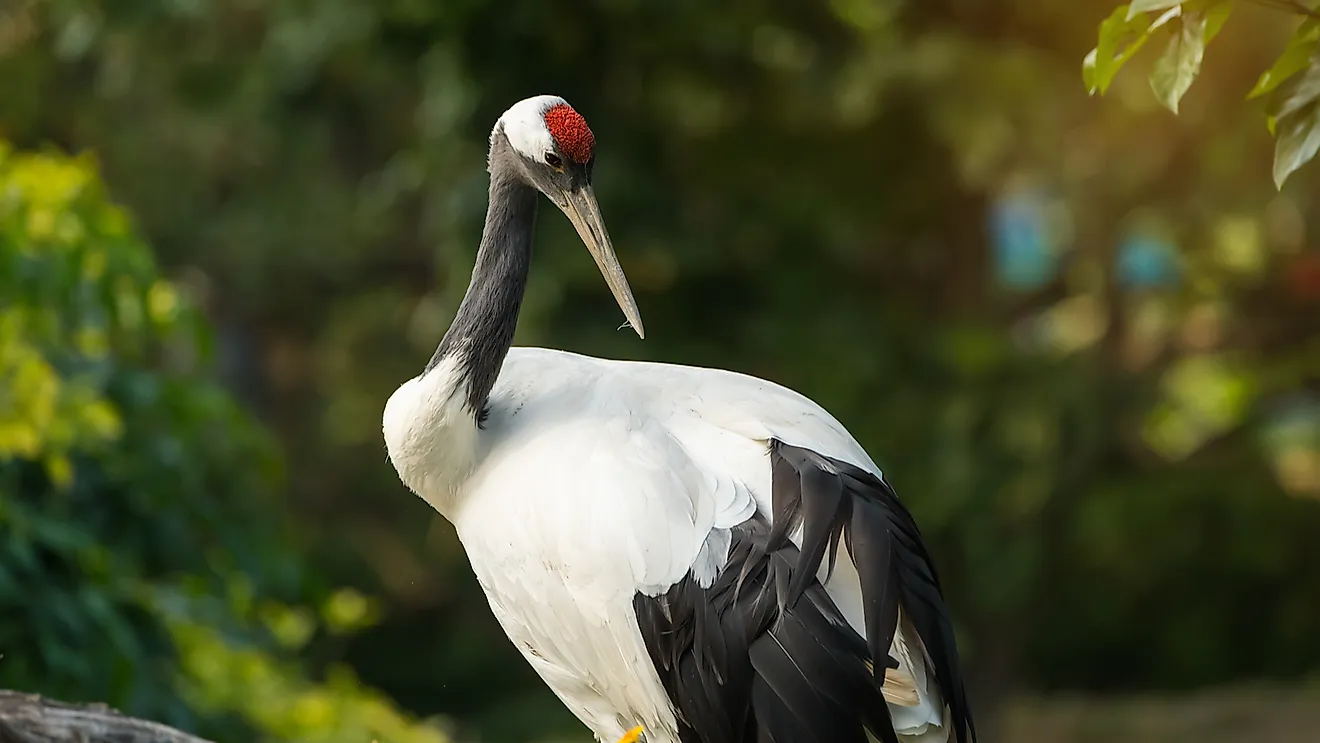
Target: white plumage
{"x": 592, "y": 485}
{"x": 524, "y": 125}
{"x": 594, "y": 480}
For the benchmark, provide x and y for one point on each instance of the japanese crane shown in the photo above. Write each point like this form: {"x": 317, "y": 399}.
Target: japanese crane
{"x": 662, "y": 543}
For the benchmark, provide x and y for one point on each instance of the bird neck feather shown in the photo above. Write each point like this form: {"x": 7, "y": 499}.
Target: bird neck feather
{"x": 482, "y": 331}
{"x": 431, "y": 422}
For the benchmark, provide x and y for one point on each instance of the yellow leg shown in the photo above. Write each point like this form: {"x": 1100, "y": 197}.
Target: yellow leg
{"x": 632, "y": 736}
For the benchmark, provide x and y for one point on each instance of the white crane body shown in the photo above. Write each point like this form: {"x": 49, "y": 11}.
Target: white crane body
{"x": 662, "y": 542}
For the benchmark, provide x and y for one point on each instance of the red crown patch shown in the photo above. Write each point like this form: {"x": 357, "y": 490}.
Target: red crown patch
{"x": 571, "y": 132}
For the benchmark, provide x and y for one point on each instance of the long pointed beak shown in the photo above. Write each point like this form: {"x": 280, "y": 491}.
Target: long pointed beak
{"x": 584, "y": 213}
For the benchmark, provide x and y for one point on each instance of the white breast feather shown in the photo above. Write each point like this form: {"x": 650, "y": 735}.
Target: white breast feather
{"x": 429, "y": 434}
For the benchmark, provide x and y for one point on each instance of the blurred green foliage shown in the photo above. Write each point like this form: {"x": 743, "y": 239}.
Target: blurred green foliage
{"x": 134, "y": 493}
{"x": 1081, "y": 336}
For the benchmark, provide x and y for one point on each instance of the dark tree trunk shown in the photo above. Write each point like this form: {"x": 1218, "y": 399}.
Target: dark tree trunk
{"x": 28, "y": 718}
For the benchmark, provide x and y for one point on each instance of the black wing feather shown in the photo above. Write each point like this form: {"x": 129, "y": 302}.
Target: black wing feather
{"x": 764, "y": 656}
{"x": 824, "y": 508}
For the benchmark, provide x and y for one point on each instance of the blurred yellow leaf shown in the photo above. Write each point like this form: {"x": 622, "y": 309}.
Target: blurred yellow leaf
{"x": 1298, "y": 469}
{"x": 92, "y": 342}
{"x": 19, "y": 439}
{"x": 1075, "y": 323}
{"x": 1204, "y": 396}
{"x": 162, "y": 302}
{"x": 60, "y": 470}
{"x": 101, "y": 419}
{"x": 313, "y": 710}
{"x": 282, "y": 701}
{"x": 291, "y": 626}
{"x": 1239, "y": 246}
{"x": 128, "y": 304}
{"x": 349, "y": 610}
{"x": 40, "y": 224}
{"x": 47, "y": 182}
{"x": 93, "y": 266}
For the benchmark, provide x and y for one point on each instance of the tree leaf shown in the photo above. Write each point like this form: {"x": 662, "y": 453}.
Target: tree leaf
{"x": 1299, "y": 92}
{"x": 1297, "y": 122}
{"x": 1298, "y": 141}
{"x": 1146, "y": 6}
{"x": 1088, "y": 72}
{"x": 1119, "y": 39}
{"x": 1178, "y": 66}
{"x": 1294, "y": 59}
{"x": 1215, "y": 17}
{"x": 1164, "y": 18}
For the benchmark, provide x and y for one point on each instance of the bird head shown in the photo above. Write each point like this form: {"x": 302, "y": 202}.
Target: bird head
{"x": 555, "y": 151}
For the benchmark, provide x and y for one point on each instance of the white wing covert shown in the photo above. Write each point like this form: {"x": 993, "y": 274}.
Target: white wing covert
{"x": 783, "y": 638}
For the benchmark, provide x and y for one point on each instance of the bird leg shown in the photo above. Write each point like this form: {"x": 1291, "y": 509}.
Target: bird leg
{"x": 632, "y": 736}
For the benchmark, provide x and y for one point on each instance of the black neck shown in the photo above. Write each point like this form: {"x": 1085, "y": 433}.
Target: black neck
{"x": 482, "y": 331}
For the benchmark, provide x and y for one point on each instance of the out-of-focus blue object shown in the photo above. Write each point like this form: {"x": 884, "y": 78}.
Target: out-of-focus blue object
{"x": 1293, "y": 421}
{"x": 1147, "y": 262}
{"x": 1024, "y": 254}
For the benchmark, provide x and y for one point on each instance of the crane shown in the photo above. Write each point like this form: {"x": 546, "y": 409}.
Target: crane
{"x": 684, "y": 555}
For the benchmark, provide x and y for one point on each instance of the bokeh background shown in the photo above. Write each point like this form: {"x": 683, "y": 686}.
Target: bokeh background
{"x": 1081, "y": 335}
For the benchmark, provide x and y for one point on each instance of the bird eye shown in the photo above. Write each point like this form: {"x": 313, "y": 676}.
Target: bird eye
{"x": 553, "y": 160}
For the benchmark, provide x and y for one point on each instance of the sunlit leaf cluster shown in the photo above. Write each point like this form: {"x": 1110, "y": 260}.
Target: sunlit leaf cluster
{"x": 1292, "y": 83}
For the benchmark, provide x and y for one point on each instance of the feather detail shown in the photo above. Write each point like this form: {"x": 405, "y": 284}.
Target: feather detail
{"x": 704, "y": 554}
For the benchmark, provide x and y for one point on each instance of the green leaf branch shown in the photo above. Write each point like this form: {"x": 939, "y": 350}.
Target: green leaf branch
{"x": 1292, "y": 83}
